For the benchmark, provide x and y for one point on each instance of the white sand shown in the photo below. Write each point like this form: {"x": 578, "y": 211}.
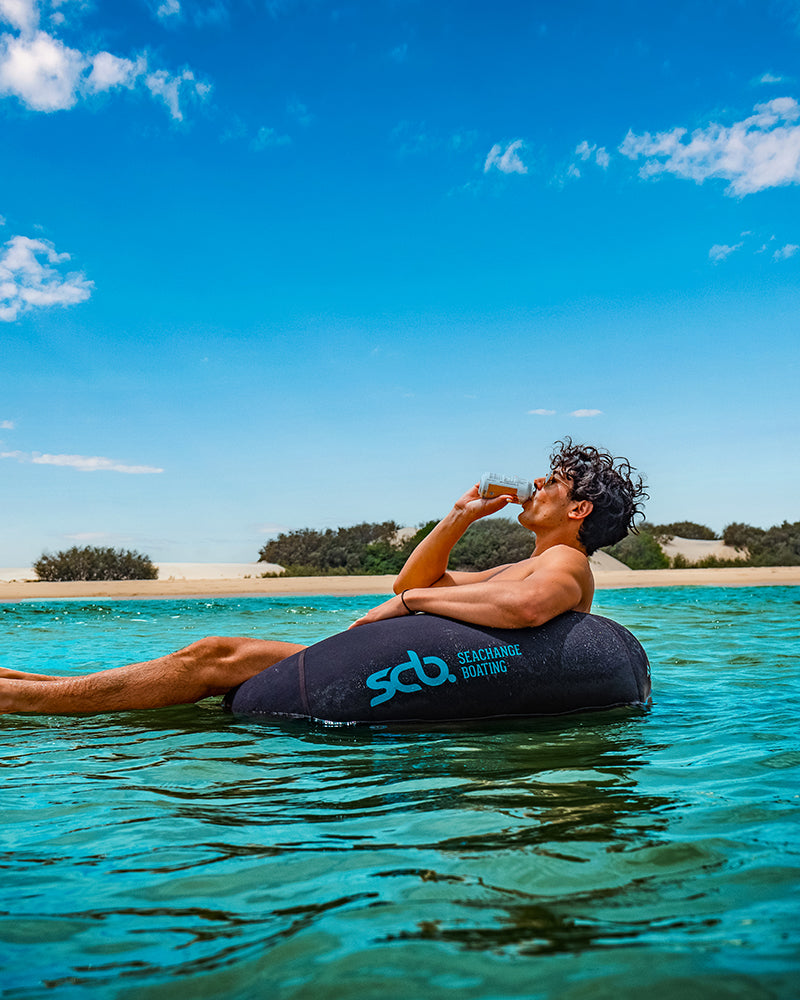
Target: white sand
{"x": 695, "y": 549}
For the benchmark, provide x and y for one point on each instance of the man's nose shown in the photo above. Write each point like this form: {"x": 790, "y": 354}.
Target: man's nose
{"x": 539, "y": 482}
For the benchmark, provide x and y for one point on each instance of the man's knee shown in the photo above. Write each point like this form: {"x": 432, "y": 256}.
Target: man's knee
{"x": 213, "y": 660}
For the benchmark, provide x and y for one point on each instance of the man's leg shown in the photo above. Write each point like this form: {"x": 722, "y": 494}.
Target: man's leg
{"x": 210, "y": 666}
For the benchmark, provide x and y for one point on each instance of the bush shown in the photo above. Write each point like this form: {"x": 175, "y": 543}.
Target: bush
{"x": 640, "y": 551}
{"x": 777, "y": 546}
{"x": 683, "y": 529}
{"x": 298, "y": 569}
{"x": 93, "y": 563}
{"x": 708, "y": 562}
{"x": 363, "y": 549}
{"x": 491, "y": 543}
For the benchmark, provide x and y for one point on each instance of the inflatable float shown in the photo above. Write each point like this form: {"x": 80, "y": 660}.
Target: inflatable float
{"x": 424, "y": 668}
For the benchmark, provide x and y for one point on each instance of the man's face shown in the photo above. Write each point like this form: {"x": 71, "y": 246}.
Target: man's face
{"x": 550, "y": 503}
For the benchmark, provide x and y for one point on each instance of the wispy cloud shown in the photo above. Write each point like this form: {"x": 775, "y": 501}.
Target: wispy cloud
{"x": 82, "y": 463}
{"x": 785, "y": 252}
{"x": 760, "y": 152}
{"x": 6, "y": 425}
{"x": 507, "y": 160}
{"x": 542, "y": 413}
{"x": 593, "y": 154}
{"x": 168, "y": 9}
{"x": 721, "y": 250}
{"x": 30, "y": 279}
{"x": 45, "y": 74}
{"x": 586, "y": 413}
{"x": 268, "y": 138}
{"x": 752, "y": 243}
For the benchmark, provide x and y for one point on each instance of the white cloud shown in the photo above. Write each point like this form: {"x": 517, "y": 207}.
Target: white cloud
{"x": 28, "y": 280}
{"x": 721, "y": 250}
{"x": 586, "y": 413}
{"x": 81, "y": 462}
{"x": 786, "y": 252}
{"x": 541, "y": 413}
{"x": 46, "y": 75}
{"x": 169, "y": 8}
{"x": 163, "y": 85}
{"x": 6, "y": 425}
{"x": 2, "y": 220}
{"x": 268, "y": 137}
{"x": 598, "y": 154}
{"x": 110, "y": 71}
{"x": 770, "y": 78}
{"x": 41, "y": 71}
{"x": 760, "y": 152}
{"x": 507, "y": 160}
{"x": 21, "y": 14}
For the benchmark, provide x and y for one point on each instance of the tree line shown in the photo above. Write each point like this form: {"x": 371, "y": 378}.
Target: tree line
{"x": 380, "y": 548}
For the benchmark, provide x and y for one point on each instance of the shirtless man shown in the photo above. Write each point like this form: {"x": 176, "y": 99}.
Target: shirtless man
{"x": 588, "y": 500}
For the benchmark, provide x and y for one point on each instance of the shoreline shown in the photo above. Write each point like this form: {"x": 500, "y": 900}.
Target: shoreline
{"x": 28, "y": 590}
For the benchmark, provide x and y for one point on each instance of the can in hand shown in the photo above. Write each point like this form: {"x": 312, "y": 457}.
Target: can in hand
{"x": 492, "y": 484}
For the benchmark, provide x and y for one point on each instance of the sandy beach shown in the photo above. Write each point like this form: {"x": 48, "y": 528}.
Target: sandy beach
{"x": 220, "y": 580}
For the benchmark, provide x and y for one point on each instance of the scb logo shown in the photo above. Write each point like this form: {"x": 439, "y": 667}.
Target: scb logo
{"x": 391, "y": 684}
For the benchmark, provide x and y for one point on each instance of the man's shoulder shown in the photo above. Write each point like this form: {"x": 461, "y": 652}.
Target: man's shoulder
{"x": 565, "y": 559}
{"x": 563, "y": 553}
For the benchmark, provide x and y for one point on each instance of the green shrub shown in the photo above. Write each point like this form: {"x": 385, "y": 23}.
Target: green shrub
{"x": 368, "y": 549}
{"x": 93, "y": 563}
{"x": 491, "y": 543}
{"x": 680, "y": 561}
{"x": 298, "y": 569}
{"x": 343, "y": 549}
{"x": 777, "y": 546}
{"x": 683, "y": 529}
{"x": 640, "y": 551}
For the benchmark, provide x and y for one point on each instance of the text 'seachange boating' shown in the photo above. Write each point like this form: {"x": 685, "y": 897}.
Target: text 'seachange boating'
{"x": 424, "y": 667}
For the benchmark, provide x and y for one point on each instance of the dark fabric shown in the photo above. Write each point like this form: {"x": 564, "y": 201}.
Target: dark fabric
{"x": 423, "y": 667}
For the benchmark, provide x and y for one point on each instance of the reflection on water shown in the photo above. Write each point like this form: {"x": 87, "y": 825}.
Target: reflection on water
{"x": 565, "y": 857}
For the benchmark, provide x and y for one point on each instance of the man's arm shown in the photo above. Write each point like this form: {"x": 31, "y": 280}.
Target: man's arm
{"x": 427, "y": 564}
{"x": 559, "y": 583}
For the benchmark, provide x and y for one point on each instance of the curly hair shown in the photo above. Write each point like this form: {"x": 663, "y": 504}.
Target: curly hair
{"x": 617, "y": 496}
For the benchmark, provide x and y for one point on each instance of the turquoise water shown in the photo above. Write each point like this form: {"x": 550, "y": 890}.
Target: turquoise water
{"x": 593, "y": 856}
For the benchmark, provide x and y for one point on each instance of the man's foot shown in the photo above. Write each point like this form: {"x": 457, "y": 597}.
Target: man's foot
{"x": 21, "y": 675}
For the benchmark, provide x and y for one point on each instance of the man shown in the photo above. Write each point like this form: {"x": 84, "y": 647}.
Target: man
{"x": 589, "y": 500}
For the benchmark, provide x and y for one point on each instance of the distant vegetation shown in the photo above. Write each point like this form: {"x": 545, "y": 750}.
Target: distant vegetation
{"x": 363, "y": 549}
{"x": 374, "y": 549}
{"x": 93, "y": 563}
{"x": 491, "y": 543}
{"x": 640, "y": 551}
{"x": 777, "y": 546}
{"x": 683, "y": 529}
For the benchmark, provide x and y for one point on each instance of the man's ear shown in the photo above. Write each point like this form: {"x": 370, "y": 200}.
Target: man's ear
{"x": 581, "y": 509}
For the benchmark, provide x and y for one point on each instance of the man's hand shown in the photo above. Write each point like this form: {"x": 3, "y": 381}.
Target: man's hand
{"x": 476, "y": 506}
{"x": 393, "y": 608}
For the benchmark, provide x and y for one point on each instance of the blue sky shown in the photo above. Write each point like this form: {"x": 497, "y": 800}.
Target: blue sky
{"x": 273, "y": 264}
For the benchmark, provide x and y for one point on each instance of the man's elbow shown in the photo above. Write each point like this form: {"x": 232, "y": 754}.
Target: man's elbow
{"x": 530, "y": 612}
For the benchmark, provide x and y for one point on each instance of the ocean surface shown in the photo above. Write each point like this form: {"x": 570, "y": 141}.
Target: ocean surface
{"x": 186, "y": 853}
